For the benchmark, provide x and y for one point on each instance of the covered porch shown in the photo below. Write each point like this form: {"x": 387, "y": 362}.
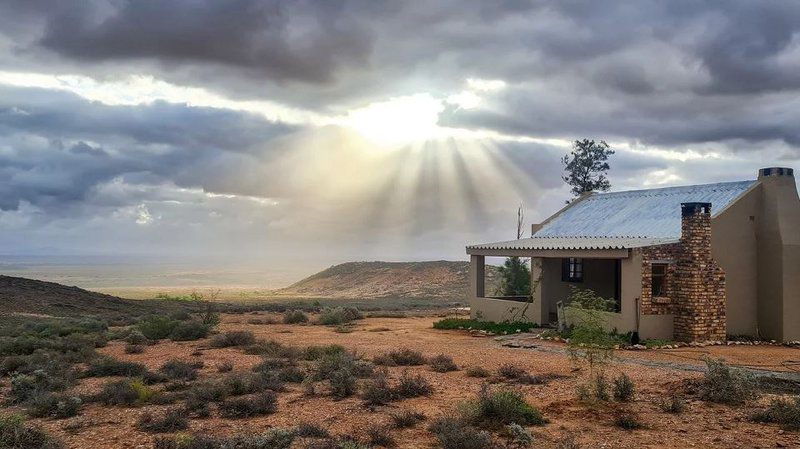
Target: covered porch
{"x": 611, "y": 267}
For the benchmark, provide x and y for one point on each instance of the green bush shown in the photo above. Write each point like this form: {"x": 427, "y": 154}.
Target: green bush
{"x": 171, "y": 420}
{"x": 589, "y": 300}
{"x": 489, "y": 326}
{"x": 125, "y": 392}
{"x": 232, "y": 338}
{"x": 784, "y": 412}
{"x": 48, "y": 405}
{"x": 442, "y": 363}
{"x": 452, "y": 433}
{"x": 136, "y": 337}
{"x": 596, "y": 389}
{"x": 377, "y": 391}
{"x": 178, "y": 369}
{"x": 494, "y": 409}
{"x": 109, "y": 366}
{"x": 190, "y": 330}
{"x": 317, "y": 352}
{"x": 411, "y": 386}
{"x": 15, "y": 433}
{"x": 343, "y": 383}
{"x": 401, "y": 357}
{"x": 26, "y": 386}
{"x": 518, "y": 436}
{"x": 295, "y": 317}
{"x": 339, "y": 315}
{"x": 157, "y": 327}
{"x": 624, "y": 389}
{"x": 263, "y": 403}
{"x": 726, "y": 385}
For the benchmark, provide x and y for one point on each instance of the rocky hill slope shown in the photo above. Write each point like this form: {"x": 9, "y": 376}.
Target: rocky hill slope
{"x": 444, "y": 280}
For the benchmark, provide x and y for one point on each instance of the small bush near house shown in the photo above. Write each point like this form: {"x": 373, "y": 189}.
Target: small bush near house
{"x": 407, "y": 418}
{"x": 339, "y": 315}
{"x": 171, "y": 420}
{"x": 232, "y": 338}
{"x": 624, "y": 389}
{"x": 595, "y": 389}
{"x": 273, "y": 439}
{"x": 245, "y": 407}
{"x": 377, "y": 390}
{"x": 108, "y": 366}
{"x": 784, "y": 412}
{"x": 493, "y": 409}
{"x": 379, "y": 435}
{"x": 343, "y": 383}
{"x": 48, "y": 405}
{"x": 411, "y": 386}
{"x": 401, "y": 357}
{"x": 294, "y": 317}
{"x": 178, "y": 369}
{"x": 15, "y": 433}
{"x": 672, "y": 404}
{"x": 134, "y": 349}
{"x": 727, "y": 385}
{"x": 452, "y": 433}
{"x": 627, "y": 420}
{"x": 442, "y": 363}
{"x": 477, "y": 371}
{"x": 489, "y": 326}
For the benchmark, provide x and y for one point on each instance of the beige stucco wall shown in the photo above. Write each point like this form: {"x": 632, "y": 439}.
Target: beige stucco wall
{"x": 734, "y": 247}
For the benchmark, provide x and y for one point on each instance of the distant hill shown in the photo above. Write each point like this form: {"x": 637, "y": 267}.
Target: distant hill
{"x": 21, "y": 295}
{"x": 444, "y": 280}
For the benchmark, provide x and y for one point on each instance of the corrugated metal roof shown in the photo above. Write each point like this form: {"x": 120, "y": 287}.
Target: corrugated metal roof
{"x": 640, "y": 213}
{"x": 585, "y": 242}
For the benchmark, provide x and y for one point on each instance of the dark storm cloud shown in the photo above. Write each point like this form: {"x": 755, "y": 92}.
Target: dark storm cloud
{"x": 59, "y": 147}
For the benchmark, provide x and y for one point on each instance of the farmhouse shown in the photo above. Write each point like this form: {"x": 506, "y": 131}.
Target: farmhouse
{"x": 690, "y": 263}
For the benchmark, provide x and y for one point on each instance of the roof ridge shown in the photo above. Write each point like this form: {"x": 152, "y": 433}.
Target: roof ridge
{"x": 726, "y": 184}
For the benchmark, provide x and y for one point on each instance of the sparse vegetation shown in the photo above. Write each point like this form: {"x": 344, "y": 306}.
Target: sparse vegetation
{"x": 273, "y": 439}
{"x": 626, "y": 419}
{"x": 48, "y": 405}
{"x": 232, "y": 338}
{"x": 594, "y": 390}
{"x": 339, "y": 315}
{"x": 724, "y": 384}
{"x": 401, "y": 357}
{"x": 454, "y": 433}
{"x": 510, "y": 371}
{"x": 488, "y": 326}
{"x": 125, "y": 392}
{"x": 178, "y": 369}
{"x": 380, "y": 435}
{"x": 412, "y": 385}
{"x": 784, "y": 412}
{"x": 477, "y": 371}
{"x": 134, "y": 349}
{"x": 407, "y": 418}
{"x": 442, "y": 363}
{"x": 295, "y": 317}
{"x": 518, "y": 437}
{"x": 258, "y": 404}
{"x": 343, "y": 383}
{"x": 493, "y": 409}
{"x": 15, "y": 433}
{"x": 377, "y": 390}
{"x": 672, "y": 404}
{"x": 108, "y": 366}
{"x": 624, "y": 389}
{"x": 172, "y": 420}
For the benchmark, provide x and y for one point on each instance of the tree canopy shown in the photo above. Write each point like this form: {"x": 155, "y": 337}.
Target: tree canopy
{"x": 586, "y": 165}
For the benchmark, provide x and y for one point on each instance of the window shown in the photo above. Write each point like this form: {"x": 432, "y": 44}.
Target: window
{"x": 572, "y": 269}
{"x": 659, "y": 279}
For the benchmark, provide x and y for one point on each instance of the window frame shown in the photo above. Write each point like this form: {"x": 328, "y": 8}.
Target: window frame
{"x": 572, "y": 269}
{"x": 663, "y": 279}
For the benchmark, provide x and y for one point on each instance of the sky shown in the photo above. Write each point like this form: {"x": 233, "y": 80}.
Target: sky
{"x": 307, "y": 133}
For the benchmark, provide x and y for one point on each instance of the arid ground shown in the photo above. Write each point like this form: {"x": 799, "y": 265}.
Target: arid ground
{"x": 701, "y": 425}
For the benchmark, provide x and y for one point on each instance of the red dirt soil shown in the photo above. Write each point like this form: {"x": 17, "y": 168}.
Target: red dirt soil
{"x": 702, "y": 425}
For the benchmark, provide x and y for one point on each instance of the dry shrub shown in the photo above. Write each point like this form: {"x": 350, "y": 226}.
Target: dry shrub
{"x": 178, "y": 369}
{"x": 377, "y": 391}
{"x": 672, "y": 404}
{"x": 401, "y": 357}
{"x": 724, "y": 384}
{"x": 15, "y": 433}
{"x": 295, "y": 317}
{"x": 411, "y": 386}
{"x": 493, "y": 409}
{"x": 172, "y": 420}
{"x": 624, "y": 389}
{"x": 442, "y": 363}
{"x": 784, "y": 412}
{"x": 407, "y": 418}
{"x": 453, "y": 433}
{"x": 109, "y": 366}
{"x": 232, "y": 338}
{"x": 258, "y": 404}
{"x": 380, "y": 435}
{"x": 511, "y": 371}
{"x": 477, "y": 371}
{"x": 628, "y": 420}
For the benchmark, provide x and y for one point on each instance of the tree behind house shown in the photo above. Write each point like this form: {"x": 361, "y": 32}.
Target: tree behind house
{"x": 515, "y": 276}
{"x": 586, "y": 166}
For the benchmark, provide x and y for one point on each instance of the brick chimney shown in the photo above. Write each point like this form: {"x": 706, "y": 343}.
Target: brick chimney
{"x": 700, "y": 282}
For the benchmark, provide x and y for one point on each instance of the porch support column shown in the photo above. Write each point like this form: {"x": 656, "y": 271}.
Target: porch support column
{"x": 538, "y": 312}
{"x": 477, "y": 278}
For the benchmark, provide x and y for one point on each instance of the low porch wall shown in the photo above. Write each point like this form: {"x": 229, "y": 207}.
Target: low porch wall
{"x": 500, "y": 310}
{"x": 650, "y": 326}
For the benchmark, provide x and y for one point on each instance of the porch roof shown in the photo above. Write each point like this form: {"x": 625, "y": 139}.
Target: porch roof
{"x": 574, "y": 243}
